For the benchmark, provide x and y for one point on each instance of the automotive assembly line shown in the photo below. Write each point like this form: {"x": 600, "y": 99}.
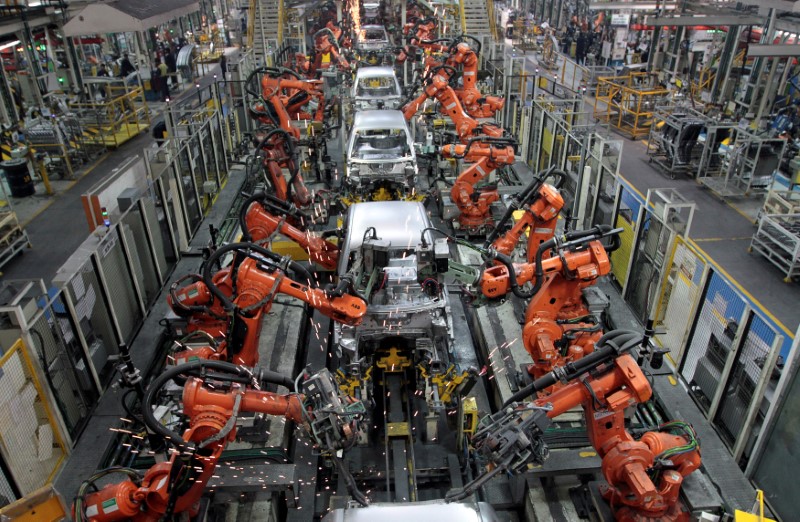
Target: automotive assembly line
{"x": 405, "y": 318}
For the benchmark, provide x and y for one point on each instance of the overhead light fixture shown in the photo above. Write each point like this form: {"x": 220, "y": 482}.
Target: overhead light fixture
{"x": 9, "y": 44}
{"x": 633, "y": 6}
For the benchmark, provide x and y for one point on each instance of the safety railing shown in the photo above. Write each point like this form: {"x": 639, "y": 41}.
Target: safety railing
{"x": 628, "y": 102}
{"x": 725, "y": 345}
{"x": 31, "y": 445}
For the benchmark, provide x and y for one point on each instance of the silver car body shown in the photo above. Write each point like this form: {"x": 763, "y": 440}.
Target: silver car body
{"x": 372, "y": 11}
{"x": 400, "y": 307}
{"x": 380, "y": 149}
{"x": 372, "y": 38}
{"x": 376, "y": 88}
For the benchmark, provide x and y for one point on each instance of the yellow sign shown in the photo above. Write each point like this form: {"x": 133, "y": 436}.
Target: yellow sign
{"x": 741, "y": 516}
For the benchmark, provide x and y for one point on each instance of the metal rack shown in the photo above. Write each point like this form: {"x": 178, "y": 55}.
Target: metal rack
{"x": 711, "y": 159}
{"x": 748, "y": 164}
{"x": 674, "y": 143}
{"x": 122, "y": 116}
{"x": 778, "y": 239}
{"x": 58, "y": 143}
{"x": 627, "y": 102}
{"x": 13, "y": 238}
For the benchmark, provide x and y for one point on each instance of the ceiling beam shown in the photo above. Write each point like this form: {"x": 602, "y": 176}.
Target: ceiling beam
{"x": 773, "y": 51}
{"x": 715, "y": 21}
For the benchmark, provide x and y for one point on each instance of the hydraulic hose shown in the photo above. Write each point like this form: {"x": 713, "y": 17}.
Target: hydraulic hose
{"x": 229, "y": 372}
{"x": 289, "y": 141}
{"x": 292, "y": 266}
{"x": 607, "y": 348}
{"x": 524, "y": 198}
{"x": 569, "y": 239}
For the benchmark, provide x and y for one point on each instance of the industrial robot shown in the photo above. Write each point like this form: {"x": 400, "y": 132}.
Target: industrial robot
{"x": 327, "y": 51}
{"x": 482, "y": 144}
{"x": 277, "y": 150}
{"x": 262, "y": 216}
{"x": 232, "y": 306}
{"x": 643, "y": 470}
{"x": 214, "y": 394}
{"x": 559, "y": 328}
{"x": 282, "y": 96}
{"x": 539, "y": 204}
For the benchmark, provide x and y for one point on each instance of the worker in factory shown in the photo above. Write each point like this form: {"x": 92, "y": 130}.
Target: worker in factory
{"x": 125, "y": 66}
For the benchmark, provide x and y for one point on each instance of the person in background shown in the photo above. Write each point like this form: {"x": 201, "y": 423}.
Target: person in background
{"x": 223, "y": 66}
{"x": 581, "y": 47}
{"x": 169, "y": 59}
{"x": 125, "y": 66}
{"x": 162, "y": 72}
{"x": 102, "y": 71}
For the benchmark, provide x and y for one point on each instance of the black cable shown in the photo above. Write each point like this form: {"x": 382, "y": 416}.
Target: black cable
{"x": 246, "y": 248}
{"x": 230, "y": 373}
{"x": 597, "y": 404}
{"x": 350, "y": 482}
{"x": 127, "y": 408}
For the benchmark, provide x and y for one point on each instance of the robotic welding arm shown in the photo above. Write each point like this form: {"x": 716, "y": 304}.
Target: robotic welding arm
{"x": 486, "y": 154}
{"x": 579, "y": 253}
{"x": 214, "y": 394}
{"x": 541, "y": 204}
{"x": 261, "y": 217}
{"x": 644, "y": 473}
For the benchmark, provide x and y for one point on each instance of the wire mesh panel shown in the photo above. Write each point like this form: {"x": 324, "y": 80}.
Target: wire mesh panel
{"x": 627, "y": 215}
{"x": 196, "y": 152}
{"x": 56, "y": 343}
{"x": 32, "y": 446}
{"x": 120, "y": 289}
{"x": 142, "y": 262}
{"x": 648, "y": 259}
{"x": 776, "y": 469}
{"x": 156, "y": 218}
{"x": 608, "y": 187}
{"x": 220, "y": 141}
{"x": 8, "y": 493}
{"x": 712, "y": 339}
{"x": 748, "y": 369}
{"x": 681, "y": 290}
{"x": 205, "y": 136}
{"x": 186, "y": 182}
{"x": 91, "y": 310}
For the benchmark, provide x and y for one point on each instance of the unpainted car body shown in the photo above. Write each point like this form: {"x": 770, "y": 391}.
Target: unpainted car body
{"x": 380, "y": 154}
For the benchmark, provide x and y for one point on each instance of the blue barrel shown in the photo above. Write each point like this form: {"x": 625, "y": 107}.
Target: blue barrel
{"x": 18, "y": 177}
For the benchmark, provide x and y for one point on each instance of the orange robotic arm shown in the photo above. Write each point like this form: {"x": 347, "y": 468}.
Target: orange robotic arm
{"x": 326, "y": 42}
{"x": 476, "y": 104}
{"x": 260, "y": 225}
{"x": 541, "y": 204}
{"x": 487, "y": 155}
{"x": 644, "y": 475}
{"x": 278, "y": 152}
{"x": 580, "y": 257}
{"x": 436, "y": 85}
{"x": 177, "y": 485}
{"x": 257, "y": 287}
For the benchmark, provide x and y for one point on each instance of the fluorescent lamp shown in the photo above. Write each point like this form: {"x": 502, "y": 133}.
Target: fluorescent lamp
{"x": 9, "y": 44}
{"x": 633, "y": 6}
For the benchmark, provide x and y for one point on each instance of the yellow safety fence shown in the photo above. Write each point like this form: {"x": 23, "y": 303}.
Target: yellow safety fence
{"x": 621, "y": 257}
{"x": 680, "y": 292}
{"x": 30, "y": 438}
